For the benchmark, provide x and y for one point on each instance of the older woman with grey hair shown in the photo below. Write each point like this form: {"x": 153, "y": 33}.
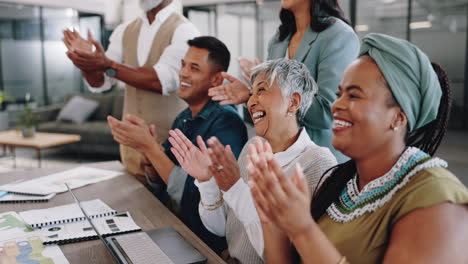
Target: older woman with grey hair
{"x": 282, "y": 91}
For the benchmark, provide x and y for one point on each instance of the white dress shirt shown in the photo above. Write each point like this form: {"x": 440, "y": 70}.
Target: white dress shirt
{"x": 169, "y": 63}
{"x": 239, "y": 197}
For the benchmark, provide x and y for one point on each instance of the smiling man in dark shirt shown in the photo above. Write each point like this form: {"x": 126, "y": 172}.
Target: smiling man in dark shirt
{"x": 201, "y": 69}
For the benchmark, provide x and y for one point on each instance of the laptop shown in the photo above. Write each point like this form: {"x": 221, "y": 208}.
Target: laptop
{"x": 159, "y": 246}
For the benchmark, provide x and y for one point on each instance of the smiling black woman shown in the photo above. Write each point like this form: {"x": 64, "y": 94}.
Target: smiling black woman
{"x": 392, "y": 202}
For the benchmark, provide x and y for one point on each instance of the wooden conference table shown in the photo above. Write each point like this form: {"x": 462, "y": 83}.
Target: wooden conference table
{"x": 122, "y": 193}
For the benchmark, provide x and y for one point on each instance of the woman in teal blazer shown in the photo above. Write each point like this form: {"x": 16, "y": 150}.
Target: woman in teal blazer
{"x": 315, "y": 33}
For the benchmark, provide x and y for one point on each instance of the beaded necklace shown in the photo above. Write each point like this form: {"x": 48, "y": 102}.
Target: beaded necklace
{"x": 353, "y": 203}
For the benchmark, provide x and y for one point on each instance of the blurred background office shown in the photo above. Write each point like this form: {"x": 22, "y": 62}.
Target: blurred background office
{"x": 33, "y": 59}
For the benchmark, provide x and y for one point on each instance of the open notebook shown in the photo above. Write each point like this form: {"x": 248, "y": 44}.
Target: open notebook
{"x": 158, "y": 246}
{"x": 67, "y": 223}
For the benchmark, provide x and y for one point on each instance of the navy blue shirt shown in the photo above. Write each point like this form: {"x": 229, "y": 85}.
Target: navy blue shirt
{"x": 223, "y": 122}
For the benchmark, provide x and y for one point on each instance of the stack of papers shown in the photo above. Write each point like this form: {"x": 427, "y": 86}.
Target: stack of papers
{"x": 55, "y": 183}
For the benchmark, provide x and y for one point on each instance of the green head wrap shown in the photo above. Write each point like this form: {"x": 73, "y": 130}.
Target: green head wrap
{"x": 409, "y": 73}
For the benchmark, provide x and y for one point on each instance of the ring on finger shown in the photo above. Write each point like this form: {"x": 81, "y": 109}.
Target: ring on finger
{"x": 220, "y": 168}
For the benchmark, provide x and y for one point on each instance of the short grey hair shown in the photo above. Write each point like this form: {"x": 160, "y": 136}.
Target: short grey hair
{"x": 291, "y": 77}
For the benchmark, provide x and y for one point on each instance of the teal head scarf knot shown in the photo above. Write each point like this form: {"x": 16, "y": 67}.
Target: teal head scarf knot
{"x": 409, "y": 73}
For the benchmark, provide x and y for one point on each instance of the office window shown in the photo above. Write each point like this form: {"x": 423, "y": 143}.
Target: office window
{"x": 32, "y": 55}
{"x": 203, "y": 17}
{"x": 20, "y": 49}
{"x": 62, "y": 76}
{"x": 236, "y": 28}
{"x": 269, "y": 23}
{"x": 439, "y": 29}
{"x": 382, "y": 16}
{"x": 6, "y": 29}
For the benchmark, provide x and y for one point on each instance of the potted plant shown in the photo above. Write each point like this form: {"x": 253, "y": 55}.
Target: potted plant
{"x": 4, "y": 122}
{"x": 26, "y": 119}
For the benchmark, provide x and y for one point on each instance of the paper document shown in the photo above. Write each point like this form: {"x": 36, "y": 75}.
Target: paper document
{"x": 20, "y": 244}
{"x": 55, "y": 183}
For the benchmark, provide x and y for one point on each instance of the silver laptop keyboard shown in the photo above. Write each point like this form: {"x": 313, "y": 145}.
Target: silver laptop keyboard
{"x": 141, "y": 249}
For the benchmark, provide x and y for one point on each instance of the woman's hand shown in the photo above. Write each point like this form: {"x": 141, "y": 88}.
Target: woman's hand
{"x": 279, "y": 199}
{"x": 224, "y": 165}
{"x": 246, "y": 67}
{"x": 193, "y": 160}
{"x": 232, "y": 93}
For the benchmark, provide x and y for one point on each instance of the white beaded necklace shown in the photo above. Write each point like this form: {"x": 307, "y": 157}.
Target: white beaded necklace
{"x": 353, "y": 203}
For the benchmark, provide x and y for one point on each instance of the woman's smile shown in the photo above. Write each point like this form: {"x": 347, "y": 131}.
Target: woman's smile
{"x": 257, "y": 116}
{"x": 340, "y": 124}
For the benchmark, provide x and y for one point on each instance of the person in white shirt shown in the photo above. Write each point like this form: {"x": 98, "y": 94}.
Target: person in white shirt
{"x": 281, "y": 94}
{"x": 146, "y": 55}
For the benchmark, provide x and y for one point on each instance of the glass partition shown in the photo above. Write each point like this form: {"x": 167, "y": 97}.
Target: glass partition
{"x": 20, "y": 52}
{"x": 32, "y": 55}
{"x": 382, "y": 16}
{"x": 62, "y": 76}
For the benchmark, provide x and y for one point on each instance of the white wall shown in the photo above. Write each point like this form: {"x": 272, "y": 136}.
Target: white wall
{"x": 114, "y": 11}
{"x": 95, "y": 6}
{"x": 131, "y": 9}
{"x": 209, "y": 2}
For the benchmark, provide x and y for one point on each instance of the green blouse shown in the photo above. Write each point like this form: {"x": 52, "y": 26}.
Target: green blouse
{"x": 365, "y": 238}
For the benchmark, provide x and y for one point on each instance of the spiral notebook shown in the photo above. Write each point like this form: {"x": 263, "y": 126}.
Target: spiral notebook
{"x": 117, "y": 224}
{"x": 66, "y": 213}
{"x": 20, "y": 198}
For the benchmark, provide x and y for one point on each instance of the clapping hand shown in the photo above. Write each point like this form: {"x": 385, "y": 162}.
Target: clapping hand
{"x": 224, "y": 166}
{"x": 134, "y": 133}
{"x": 279, "y": 199}
{"x": 74, "y": 41}
{"x": 233, "y": 93}
{"x": 246, "y": 67}
{"x": 193, "y": 160}
{"x": 88, "y": 60}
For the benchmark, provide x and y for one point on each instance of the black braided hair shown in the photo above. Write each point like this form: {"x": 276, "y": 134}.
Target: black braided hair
{"x": 426, "y": 138}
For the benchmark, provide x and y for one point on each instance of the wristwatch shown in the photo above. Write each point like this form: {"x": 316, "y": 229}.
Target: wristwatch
{"x": 112, "y": 70}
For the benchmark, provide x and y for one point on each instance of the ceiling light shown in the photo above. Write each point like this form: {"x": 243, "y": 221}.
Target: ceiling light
{"x": 421, "y": 24}
{"x": 361, "y": 28}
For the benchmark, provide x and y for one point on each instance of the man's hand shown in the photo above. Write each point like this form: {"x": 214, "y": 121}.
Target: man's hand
{"x": 74, "y": 41}
{"x": 89, "y": 61}
{"x": 224, "y": 166}
{"x": 134, "y": 133}
{"x": 193, "y": 160}
{"x": 232, "y": 93}
{"x": 144, "y": 158}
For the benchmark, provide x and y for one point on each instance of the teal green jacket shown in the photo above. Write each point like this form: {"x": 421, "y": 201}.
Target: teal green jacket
{"x": 326, "y": 54}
